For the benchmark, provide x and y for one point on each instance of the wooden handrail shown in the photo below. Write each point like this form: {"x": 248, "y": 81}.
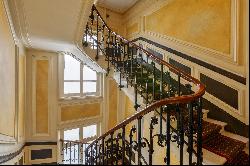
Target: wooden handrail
{"x": 172, "y": 100}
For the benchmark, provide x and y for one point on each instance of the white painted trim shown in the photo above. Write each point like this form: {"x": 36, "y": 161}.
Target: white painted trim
{"x": 28, "y": 150}
{"x": 61, "y": 79}
{"x": 104, "y": 104}
{"x": 247, "y": 61}
{"x": 21, "y": 25}
{"x": 240, "y": 113}
{"x": 67, "y": 125}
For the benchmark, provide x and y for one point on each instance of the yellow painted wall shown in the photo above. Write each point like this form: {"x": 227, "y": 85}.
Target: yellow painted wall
{"x": 129, "y": 108}
{"x": 132, "y": 29}
{"x": 10, "y": 97}
{"x": 42, "y": 67}
{"x": 129, "y": 111}
{"x": 114, "y": 21}
{"x": 112, "y": 104}
{"x": 7, "y": 76}
{"x": 75, "y": 112}
{"x": 21, "y": 104}
{"x": 203, "y": 22}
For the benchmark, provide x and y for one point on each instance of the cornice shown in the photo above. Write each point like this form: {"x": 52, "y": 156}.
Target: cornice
{"x": 19, "y": 21}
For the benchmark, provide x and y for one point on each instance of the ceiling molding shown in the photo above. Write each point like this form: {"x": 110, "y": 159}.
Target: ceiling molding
{"x": 7, "y": 10}
{"x": 19, "y": 21}
{"x": 55, "y": 30}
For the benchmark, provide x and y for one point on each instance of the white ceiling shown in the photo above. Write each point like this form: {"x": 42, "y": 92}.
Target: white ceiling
{"x": 52, "y": 25}
{"x": 119, "y": 6}
{"x": 48, "y": 24}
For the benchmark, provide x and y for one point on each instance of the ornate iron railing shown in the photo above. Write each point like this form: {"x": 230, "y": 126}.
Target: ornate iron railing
{"x": 172, "y": 97}
{"x": 73, "y": 152}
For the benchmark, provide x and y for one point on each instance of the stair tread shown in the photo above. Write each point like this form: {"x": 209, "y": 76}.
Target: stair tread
{"x": 209, "y": 158}
{"x": 224, "y": 146}
{"x": 235, "y": 136}
{"x": 223, "y": 124}
{"x": 241, "y": 159}
{"x": 210, "y": 129}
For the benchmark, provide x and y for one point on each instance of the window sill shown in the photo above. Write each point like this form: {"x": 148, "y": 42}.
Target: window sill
{"x": 77, "y": 100}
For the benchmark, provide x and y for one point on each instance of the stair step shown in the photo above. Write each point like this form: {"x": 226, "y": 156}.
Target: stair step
{"x": 210, "y": 130}
{"x": 236, "y": 137}
{"x": 224, "y": 146}
{"x": 241, "y": 159}
{"x": 210, "y": 158}
{"x": 222, "y": 124}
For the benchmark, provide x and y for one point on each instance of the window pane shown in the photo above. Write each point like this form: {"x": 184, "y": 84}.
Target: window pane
{"x": 88, "y": 74}
{"x": 89, "y": 87}
{"x": 89, "y": 131}
{"x": 72, "y": 135}
{"x": 71, "y": 87}
{"x": 71, "y": 69}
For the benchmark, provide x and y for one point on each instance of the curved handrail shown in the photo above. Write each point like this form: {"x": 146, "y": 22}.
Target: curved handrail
{"x": 172, "y": 100}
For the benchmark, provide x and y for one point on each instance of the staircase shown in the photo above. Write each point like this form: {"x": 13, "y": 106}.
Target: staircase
{"x": 170, "y": 126}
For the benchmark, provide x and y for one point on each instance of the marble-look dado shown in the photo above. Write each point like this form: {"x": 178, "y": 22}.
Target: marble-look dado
{"x": 75, "y": 112}
{"x": 42, "y": 67}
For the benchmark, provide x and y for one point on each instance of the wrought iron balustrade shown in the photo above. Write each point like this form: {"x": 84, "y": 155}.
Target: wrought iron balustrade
{"x": 72, "y": 152}
{"x": 173, "y": 113}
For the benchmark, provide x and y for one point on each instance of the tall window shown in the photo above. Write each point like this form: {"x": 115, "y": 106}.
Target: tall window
{"x": 79, "y": 80}
{"x": 85, "y": 134}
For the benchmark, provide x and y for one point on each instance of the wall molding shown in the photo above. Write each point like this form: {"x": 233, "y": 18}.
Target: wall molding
{"x": 44, "y": 145}
{"x": 20, "y": 23}
{"x": 210, "y": 71}
{"x": 209, "y": 55}
{"x": 214, "y": 68}
{"x": 239, "y": 113}
{"x": 34, "y": 80}
{"x": 202, "y": 51}
{"x": 9, "y": 156}
{"x": 32, "y": 57}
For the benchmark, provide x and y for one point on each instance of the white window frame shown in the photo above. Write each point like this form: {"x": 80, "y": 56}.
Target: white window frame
{"x": 61, "y": 65}
{"x": 80, "y": 127}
